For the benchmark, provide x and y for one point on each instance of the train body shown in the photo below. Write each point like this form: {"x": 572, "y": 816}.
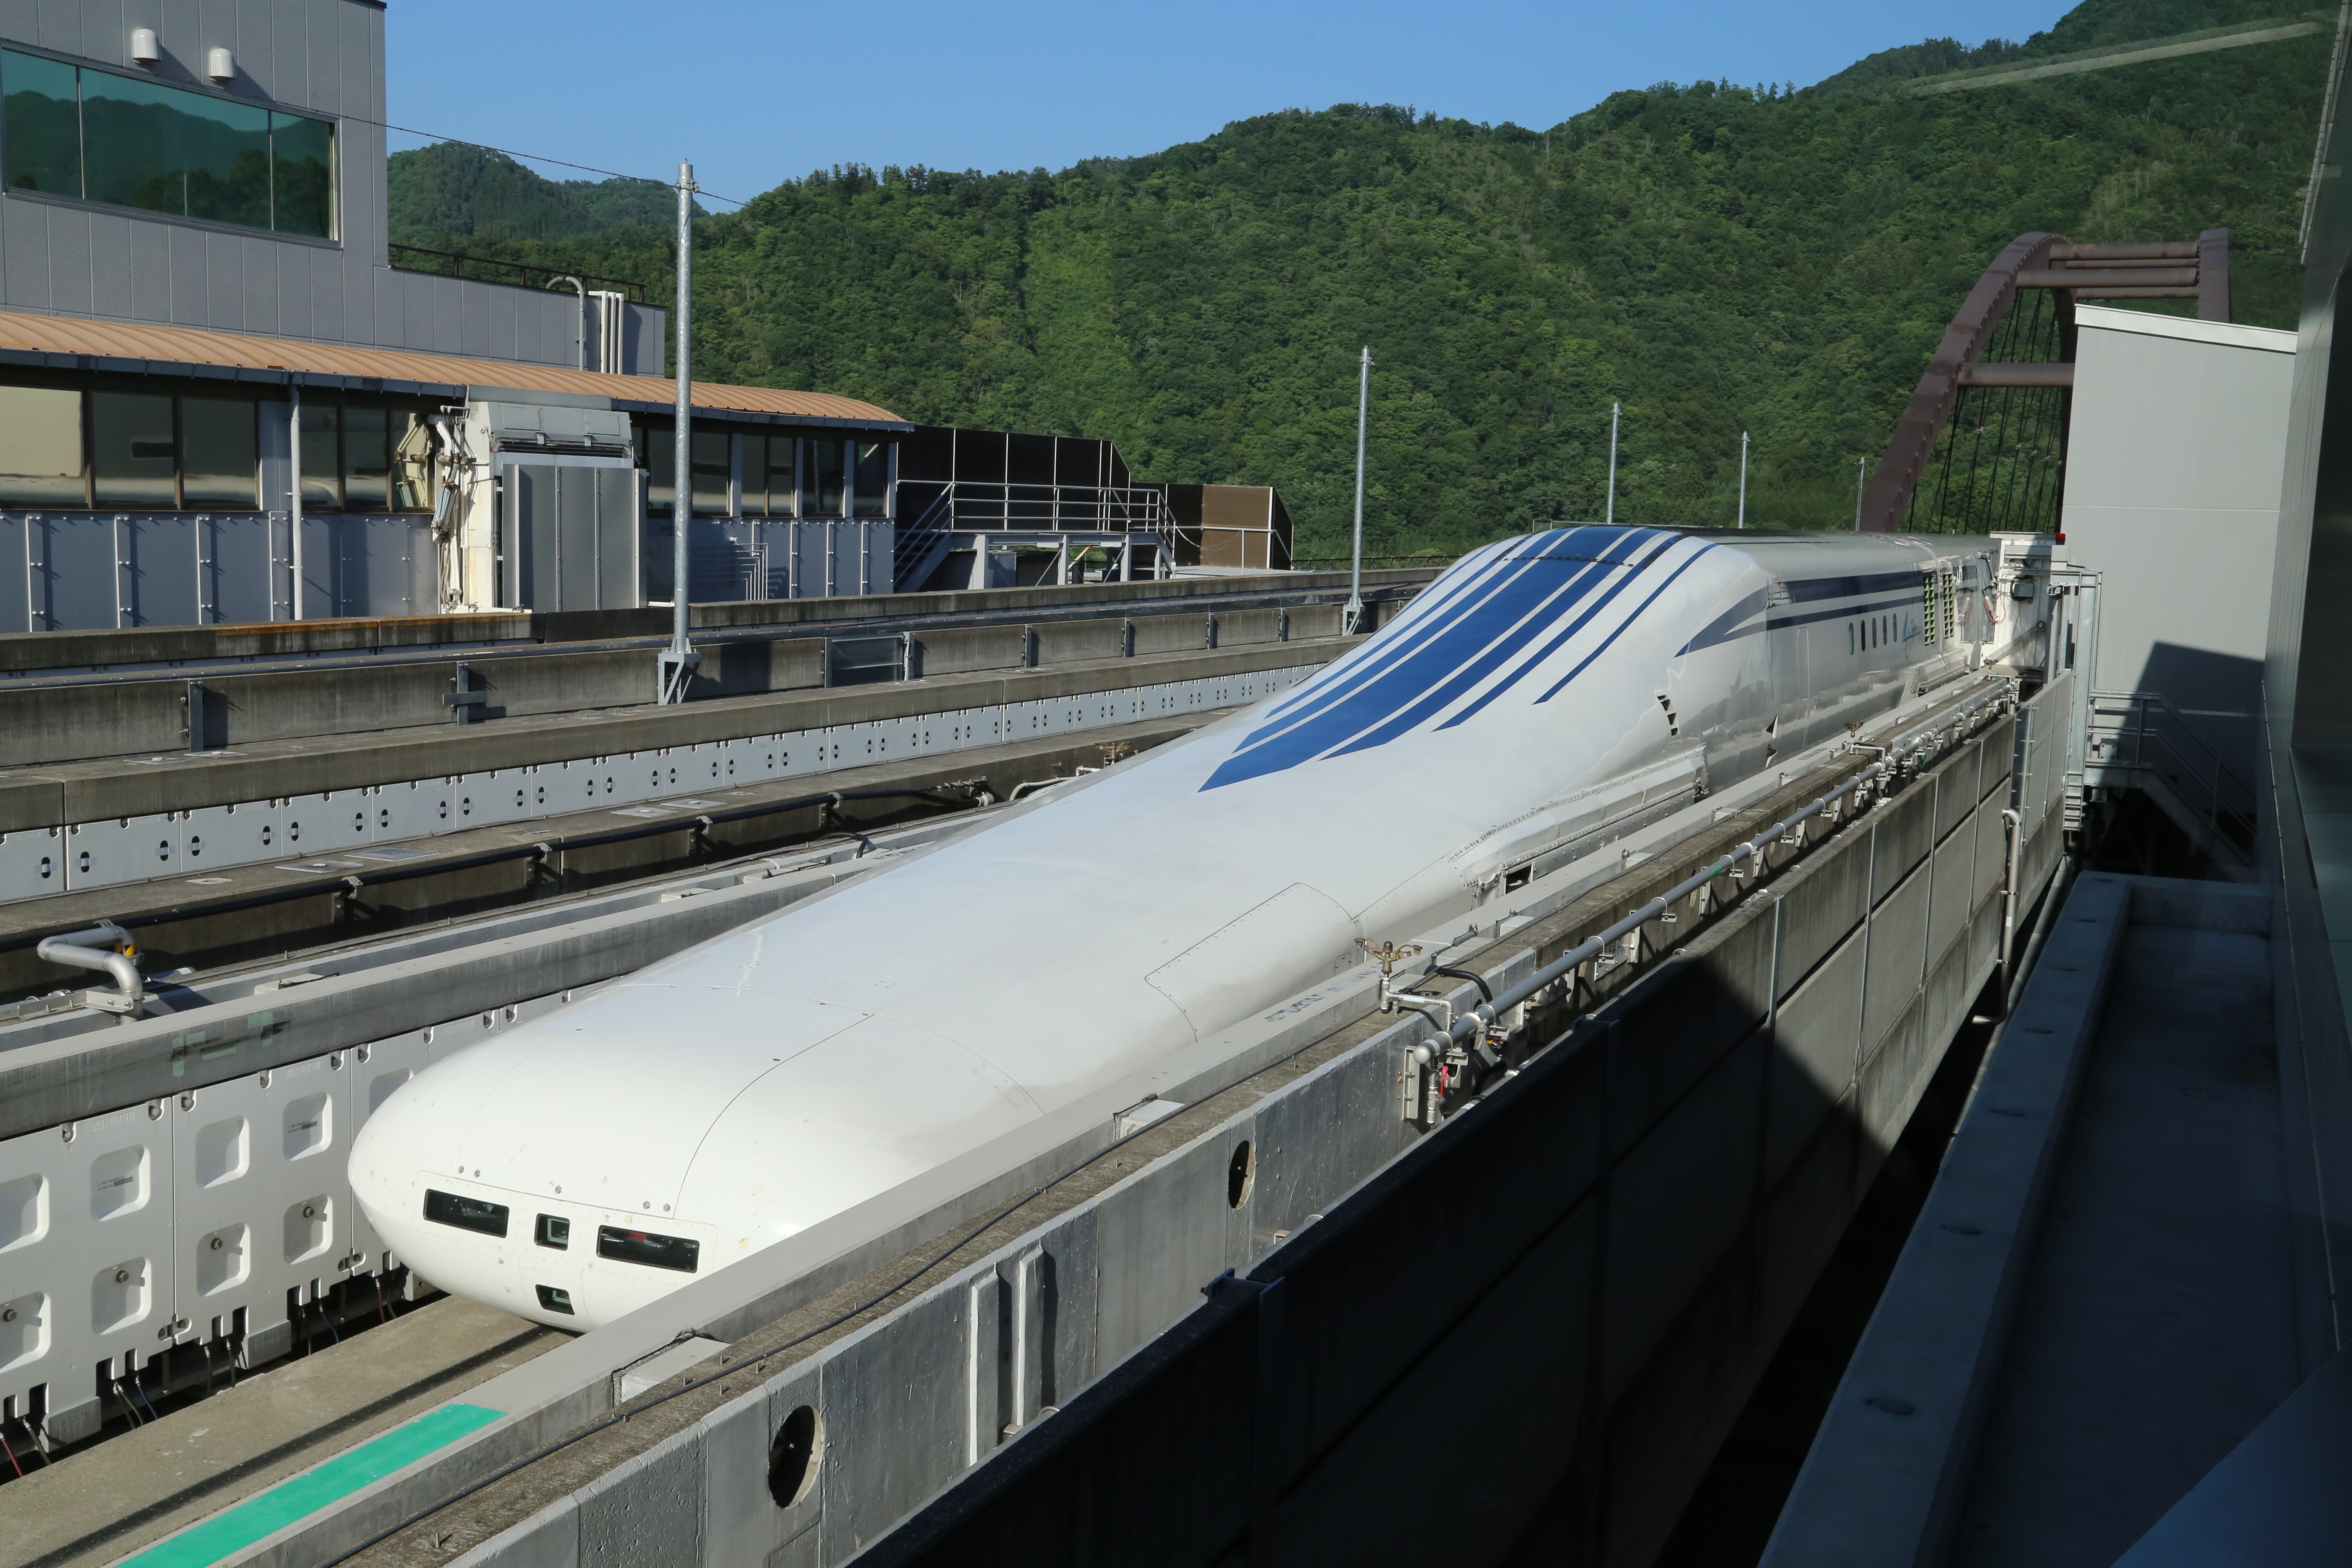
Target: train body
{"x": 1540, "y": 691}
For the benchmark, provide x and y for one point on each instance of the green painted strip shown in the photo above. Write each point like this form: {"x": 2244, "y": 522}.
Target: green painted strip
{"x": 307, "y": 1493}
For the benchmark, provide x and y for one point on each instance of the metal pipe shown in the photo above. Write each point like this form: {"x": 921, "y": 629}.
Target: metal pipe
{"x": 1743, "y": 481}
{"x": 1861, "y": 473}
{"x": 106, "y": 948}
{"x": 676, "y": 663}
{"x": 1483, "y": 1016}
{"x": 1354, "y": 613}
{"x": 1608, "y": 509}
{"x": 294, "y": 492}
{"x": 580, "y": 322}
{"x": 2013, "y": 824}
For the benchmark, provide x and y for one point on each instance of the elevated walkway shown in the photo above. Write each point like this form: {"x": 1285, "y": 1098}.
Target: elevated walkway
{"x": 2116, "y": 1278}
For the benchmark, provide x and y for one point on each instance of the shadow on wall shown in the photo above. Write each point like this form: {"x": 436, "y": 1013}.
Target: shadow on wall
{"x": 1554, "y": 1310}
{"x": 2217, "y": 698}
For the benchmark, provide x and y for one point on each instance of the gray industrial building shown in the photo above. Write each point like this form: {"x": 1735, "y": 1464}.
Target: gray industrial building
{"x": 196, "y": 285}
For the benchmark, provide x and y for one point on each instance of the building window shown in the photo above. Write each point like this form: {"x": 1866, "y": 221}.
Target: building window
{"x": 711, "y": 474}
{"x": 364, "y": 458}
{"x": 40, "y": 447}
{"x": 218, "y": 459}
{"x": 872, "y": 491}
{"x": 146, "y": 451}
{"x": 770, "y": 486}
{"x": 72, "y": 130}
{"x": 822, "y": 494}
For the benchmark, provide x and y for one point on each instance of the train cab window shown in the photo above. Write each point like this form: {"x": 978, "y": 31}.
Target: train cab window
{"x": 466, "y": 1214}
{"x": 552, "y": 1300}
{"x": 644, "y": 1246}
{"x": 554, "y": 1231}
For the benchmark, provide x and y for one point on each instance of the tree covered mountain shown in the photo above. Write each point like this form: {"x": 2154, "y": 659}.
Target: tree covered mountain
{"x": 1718, "y": 257}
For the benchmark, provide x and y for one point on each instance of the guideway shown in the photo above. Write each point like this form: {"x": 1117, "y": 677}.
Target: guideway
{"x": 1045, "y": 1300}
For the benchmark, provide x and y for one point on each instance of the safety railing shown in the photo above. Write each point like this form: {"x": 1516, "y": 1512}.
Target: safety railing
{"x": 980, "y": 505}
{"x": 2141, "y": 732}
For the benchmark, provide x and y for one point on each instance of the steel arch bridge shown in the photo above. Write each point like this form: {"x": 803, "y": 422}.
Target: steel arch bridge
{"x": 1981, "y": 446}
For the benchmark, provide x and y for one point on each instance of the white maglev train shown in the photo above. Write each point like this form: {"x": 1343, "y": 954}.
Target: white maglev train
{"x": 587, "y": 1163}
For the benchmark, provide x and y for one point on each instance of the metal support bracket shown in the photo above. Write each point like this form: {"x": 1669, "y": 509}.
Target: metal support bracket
{"x": 674, "y": 671}
{"x": 465, "y": 703}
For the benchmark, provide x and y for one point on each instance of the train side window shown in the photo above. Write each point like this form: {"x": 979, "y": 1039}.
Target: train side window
{"x": 646, "y": 1247}
{"x": 466, "y": 1214}
{"x": 552, "y": 1300}
{"x": 554, "y": 1231}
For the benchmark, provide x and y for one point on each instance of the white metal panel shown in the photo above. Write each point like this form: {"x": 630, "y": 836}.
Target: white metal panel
{"x": 328, "y": 820}
{"x": 109, "y": 1247}
{"x": 32, "y": 863}
{"x": 110, "y": 853}
{"x": 370, "y": 1074}
{"x": 414, "y": 809}
{"x": 235, "y": 835}
{"x": 501, "y": 795}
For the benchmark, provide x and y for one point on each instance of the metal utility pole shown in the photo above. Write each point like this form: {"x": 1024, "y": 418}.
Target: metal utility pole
{"x": 1354, "y": 614}
{"x": 1860, "y": 472}
{"x": 1743, "y": 481}
{"x": 1610, "y": 512}
{"x": 678, "y": 660}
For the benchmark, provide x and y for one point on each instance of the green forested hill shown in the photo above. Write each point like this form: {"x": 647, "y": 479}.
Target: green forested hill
{"x": 1720, "y": 257}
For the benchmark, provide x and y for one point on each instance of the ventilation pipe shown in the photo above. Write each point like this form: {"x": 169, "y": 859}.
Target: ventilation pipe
{"x": 106, "y": 948}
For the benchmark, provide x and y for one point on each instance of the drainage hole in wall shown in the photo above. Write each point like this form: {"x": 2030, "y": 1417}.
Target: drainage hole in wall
{"x": 792, "y": 1457}
{"x": 1239, "y": 1174}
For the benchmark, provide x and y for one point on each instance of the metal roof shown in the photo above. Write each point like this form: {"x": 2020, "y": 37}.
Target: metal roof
{"x": 67, "y": 342}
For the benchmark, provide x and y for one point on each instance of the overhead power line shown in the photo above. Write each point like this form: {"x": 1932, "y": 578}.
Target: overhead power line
{"x": 537, "y": 158}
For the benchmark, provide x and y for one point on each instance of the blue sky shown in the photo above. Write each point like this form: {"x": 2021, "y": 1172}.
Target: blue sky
{"x": 756, "y": 93}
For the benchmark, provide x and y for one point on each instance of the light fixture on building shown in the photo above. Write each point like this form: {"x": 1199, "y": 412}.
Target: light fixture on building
{"x": 219, "y": 67}
{"x": 143, "y": 52}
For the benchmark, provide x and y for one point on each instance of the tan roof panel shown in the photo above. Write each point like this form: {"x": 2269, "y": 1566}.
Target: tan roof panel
{"x": 22, "y": 334}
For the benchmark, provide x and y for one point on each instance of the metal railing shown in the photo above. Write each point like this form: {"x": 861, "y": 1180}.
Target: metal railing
{"x": 982, "y": 505}
{"x": 2125, "y": 733}
{"x": 495, "y": 269}
{"x": 917, "y": 548}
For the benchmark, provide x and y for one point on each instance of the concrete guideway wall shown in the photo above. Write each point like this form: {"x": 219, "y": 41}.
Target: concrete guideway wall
{"x": 1627, "y": 1225}
{"x": 154, "y": 647}
{"x": 70, "y": 721}
{"x": 105, "y": 824}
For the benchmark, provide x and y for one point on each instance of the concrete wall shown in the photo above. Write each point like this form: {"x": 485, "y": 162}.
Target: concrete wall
{"x": 60, "y": 256}
{"x": 2174, "y": 460}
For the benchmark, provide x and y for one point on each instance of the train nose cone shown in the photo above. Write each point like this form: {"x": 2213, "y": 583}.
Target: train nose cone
{"x": 389, "y": 1181}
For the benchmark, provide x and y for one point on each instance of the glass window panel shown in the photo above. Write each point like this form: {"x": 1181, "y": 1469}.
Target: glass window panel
{"x": 821, "y": 490}
{"x": 754, "y": 453}
{"x": 131, "y": 443}
{"x": 649, "y": 1248}
{"x": 660, "y": 449}
{"x": 367, "y": 472}
{"x": 711, "y": 476}
{"x": 303, "y": 175}
{"x": 40, "y": 447}
{"x": 466, "y": 1214}
{"x": 41, "y": 126}
{"x": 151, "y": 146}
{"x": 217, "y": 453}
{"x": 872, "y": 492}
{"x": 783, "y": 491}
{"x": 322, "y": 468}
